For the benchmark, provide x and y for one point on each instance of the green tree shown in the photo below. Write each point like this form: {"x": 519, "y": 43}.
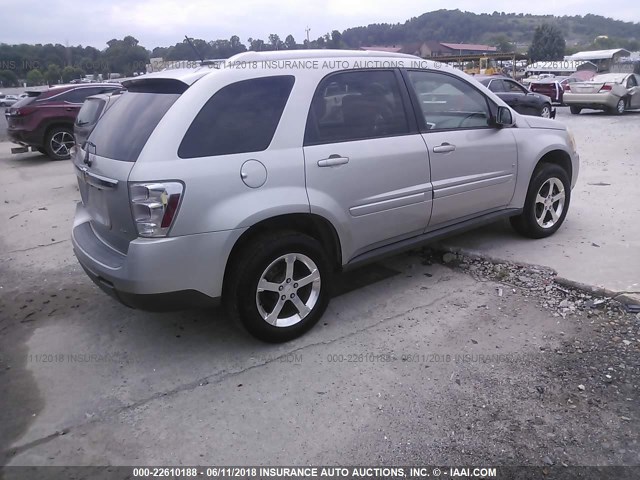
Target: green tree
{"x": 276, "y": 43}
{"x": 336, "y": 40}
{"x": 8, "y": 78}
{"x": 52, "y": 75}
{"x": 34, "y": 78}
{"x": 290, "y": 43}
{"x": 71, "y": 73}
{"x": 502, "y": 43}
{"x": 548, "y": 43}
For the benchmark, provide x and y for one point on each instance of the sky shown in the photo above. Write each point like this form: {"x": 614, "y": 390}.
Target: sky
{"x": 166, "y": 22}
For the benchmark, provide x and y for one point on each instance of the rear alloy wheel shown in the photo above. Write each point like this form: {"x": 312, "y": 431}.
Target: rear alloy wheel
{"x": 545, "y": 111}
{"x": 59, "y": 142}
{"x": 620, "y": 107}
{"x": 546, "y": 204}
{"x": 279, "y": 287}
{"x": 575, "y": 110}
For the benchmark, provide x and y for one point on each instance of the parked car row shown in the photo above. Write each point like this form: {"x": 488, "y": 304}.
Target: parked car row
{"x": 258, "y": 186}
{"x": 518, "y": 97}
{"x": 8, "y": 100}
{"x": 43, "y": 120}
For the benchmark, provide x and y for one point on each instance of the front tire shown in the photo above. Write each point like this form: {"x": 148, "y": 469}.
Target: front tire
{"x": 545, "y": 111}
{"x": 575, "y": 110}
{"x": 279, "y": 286}
{"x": 58, "y": 143}
{"x": 547, "y": 202}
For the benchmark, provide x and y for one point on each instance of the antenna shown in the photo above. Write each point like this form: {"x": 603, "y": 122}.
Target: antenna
{"x": 194, "y": 49}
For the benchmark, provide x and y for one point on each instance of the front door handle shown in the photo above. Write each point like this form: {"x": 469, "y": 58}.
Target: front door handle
{"x": 333, "y": 160}
{"x": 444, "y": 148}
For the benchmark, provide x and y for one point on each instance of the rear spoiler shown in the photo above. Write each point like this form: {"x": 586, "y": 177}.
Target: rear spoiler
{"x": 155, "y": 85}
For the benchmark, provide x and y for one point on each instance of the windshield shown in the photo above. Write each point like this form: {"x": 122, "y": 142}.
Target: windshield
{"x": 23, "y": 102}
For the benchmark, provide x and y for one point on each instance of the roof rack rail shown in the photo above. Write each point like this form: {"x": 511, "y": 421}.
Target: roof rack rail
{"x": 252, "y": 56}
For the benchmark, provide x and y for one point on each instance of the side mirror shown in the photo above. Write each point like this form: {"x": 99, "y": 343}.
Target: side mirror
{"x": 504, "y": 118}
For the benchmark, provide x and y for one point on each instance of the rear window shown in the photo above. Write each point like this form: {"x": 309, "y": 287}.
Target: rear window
{"x": 27, "y": 100}
{"x": 124, "y": 129}
{"x": 89, "y": 112}
{"x": 239, "y": 118}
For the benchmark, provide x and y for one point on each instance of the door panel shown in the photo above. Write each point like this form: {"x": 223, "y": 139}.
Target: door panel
{"x": 479, "y": 175}
{"x": 366, "y": 165}
{"x": 381, "y": 194}
{"x": 473, "y": 164}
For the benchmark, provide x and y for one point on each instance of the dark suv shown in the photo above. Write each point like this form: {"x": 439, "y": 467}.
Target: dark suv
{"x": 44, "y": 119}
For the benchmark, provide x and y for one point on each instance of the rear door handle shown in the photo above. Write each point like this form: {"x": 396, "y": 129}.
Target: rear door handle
{"x": 333, "y": 160}
{"x": 444, "y": 148}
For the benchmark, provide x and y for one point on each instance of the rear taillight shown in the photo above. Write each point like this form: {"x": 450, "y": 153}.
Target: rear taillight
{"x": 22, "y": 111}
{"x": 154, "y": 206}
{"x": 605, "y": 88}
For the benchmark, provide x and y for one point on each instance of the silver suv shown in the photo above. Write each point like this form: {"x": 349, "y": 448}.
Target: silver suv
{"x": 258, "y": 180}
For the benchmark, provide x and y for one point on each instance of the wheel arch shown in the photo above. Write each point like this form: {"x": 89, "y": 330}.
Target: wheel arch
{"x": 55, "y": 123}
{"x": 310, "y": 224}
{"x": 557, "y": 157}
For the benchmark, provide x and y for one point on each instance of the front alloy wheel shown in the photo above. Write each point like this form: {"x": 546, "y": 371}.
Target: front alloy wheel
{"x": 546, "y": 204}
{"x": 545, "y": 111}
{"x": 549, "y": 203}
{"x": 620, "y": 107}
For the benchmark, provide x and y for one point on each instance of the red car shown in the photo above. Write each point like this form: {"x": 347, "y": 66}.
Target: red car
{"x": 44, "y": 120}
{"x": 555, "y": 87}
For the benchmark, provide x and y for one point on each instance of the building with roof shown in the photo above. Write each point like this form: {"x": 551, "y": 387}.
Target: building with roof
{"x": 604, "y": 59}
{"x": 430, "y": 49}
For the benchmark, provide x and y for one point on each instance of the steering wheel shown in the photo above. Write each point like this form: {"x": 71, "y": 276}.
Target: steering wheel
{"x": 471, "y": 115}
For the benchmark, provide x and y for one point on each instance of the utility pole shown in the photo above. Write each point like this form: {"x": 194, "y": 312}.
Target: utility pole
{"x": 307, "y": 30}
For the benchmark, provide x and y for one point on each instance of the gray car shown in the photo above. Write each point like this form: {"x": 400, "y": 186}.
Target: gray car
{"x": 612, "y": 92}
{"x": 258, "y": 181}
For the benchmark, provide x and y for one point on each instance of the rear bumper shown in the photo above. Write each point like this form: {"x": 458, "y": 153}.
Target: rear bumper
{"x": 156, "y": 274}
{"x": 25, "y": 137}
{"x": 590, "y": 100}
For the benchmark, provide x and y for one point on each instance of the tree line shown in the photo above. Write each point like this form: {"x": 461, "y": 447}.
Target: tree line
{"x": 547, "y": 36}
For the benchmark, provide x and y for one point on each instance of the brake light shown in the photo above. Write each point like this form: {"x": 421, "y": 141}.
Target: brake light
{"x": 605, "y": 88}
{"x": 154, "y": 206}
{"x": 22, "y": 111}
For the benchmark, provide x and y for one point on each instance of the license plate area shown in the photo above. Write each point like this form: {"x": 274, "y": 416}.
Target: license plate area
{"x": 96, "y": 203}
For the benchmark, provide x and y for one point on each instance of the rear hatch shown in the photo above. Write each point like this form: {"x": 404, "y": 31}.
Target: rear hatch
{"x": 104, "y": 162}
{"x": 17, "y": 112}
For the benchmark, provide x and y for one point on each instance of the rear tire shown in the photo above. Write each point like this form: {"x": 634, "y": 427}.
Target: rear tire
{"x": 279, "y": 286}
{"x": 620, "y": 107}
{"x": 575, "y": 110}
{"x": 58, "y": 143}
{"x": 546, "y": 204}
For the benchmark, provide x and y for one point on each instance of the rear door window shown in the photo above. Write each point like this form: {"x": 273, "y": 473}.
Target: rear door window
{"x": 125, "y": 127}
{"x": 352, "y": 106}
{"x": 90, "y": 112}
{"x": 239, "y": 118}
{"x": 79, "y": 95}
{"x": 496, "y": 86}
